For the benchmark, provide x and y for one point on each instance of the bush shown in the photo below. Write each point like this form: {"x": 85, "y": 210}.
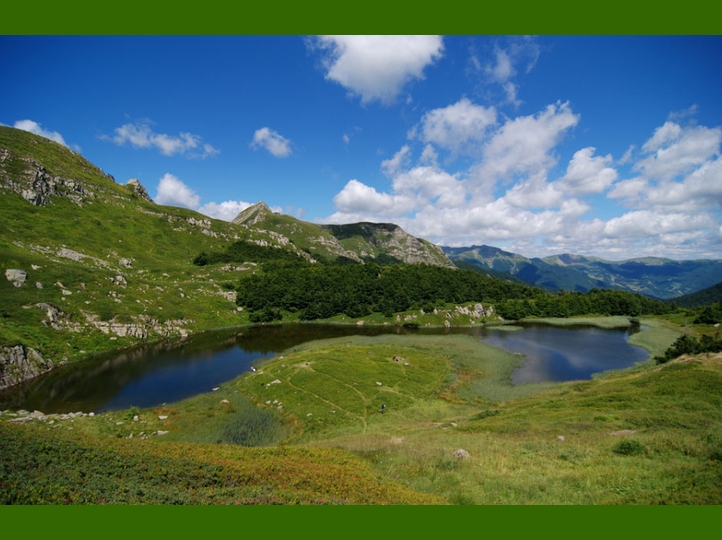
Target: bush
{"x": 629, "y": 447}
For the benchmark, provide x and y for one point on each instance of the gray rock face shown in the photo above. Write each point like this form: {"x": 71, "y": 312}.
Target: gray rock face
{"x": 137, "y": 188}
{"x": 16, "y": 275}
{"x": 19, "y": 363}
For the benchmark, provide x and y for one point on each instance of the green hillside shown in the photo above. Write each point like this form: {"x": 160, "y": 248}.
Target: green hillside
{"x": 91, "y": 265}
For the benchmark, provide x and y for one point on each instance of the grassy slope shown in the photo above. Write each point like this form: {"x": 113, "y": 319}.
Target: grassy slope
{"x": 453, "y": 394}
{"x": 162, "y": 283}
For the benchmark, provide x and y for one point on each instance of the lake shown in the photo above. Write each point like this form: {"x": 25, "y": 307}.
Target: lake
{"x": 169, "y": 371}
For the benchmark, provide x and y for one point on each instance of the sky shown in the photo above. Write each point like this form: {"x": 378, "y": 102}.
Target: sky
{"x": 604, "y": 146}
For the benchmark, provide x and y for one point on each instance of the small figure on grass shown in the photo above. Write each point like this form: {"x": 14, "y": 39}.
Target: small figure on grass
{"x": 383, "y": 408}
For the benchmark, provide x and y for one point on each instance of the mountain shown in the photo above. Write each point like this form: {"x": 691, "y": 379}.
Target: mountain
{"x": 359, "y": 242}
{"x": 652, "y": 276}
{"x": 91, "y": 265}
{"x": 705, "y": 297}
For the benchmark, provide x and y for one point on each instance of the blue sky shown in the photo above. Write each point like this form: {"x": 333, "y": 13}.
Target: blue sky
{"x": 596, "y": 145}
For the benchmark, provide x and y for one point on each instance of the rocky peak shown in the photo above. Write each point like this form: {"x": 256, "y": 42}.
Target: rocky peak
{"x": 253, "y": 214}
{"x": 137, "y": 188}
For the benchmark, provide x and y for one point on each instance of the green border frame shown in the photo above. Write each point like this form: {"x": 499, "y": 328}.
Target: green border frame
{"x": 42, "y": 17}
{"x": 371, "y": 16}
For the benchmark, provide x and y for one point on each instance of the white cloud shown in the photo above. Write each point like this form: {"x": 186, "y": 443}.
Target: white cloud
{"x": 272, "y": 141}
{"x": 172, "y": 191}
{"x": 459, "y": 128}
{"x": 523, "y": 145}
{"x": 587, "y": 174}
{"x": 141, "y": 135}
{"x": 627, "y": 155}
{"x": 508, "y": 197}
{"x": 226, "y": 210}
{"x": 662, "y": 135}
{"x": 37, "y": 129}
{"x": 396, "y": 163}
{"x": 356, "y": 198}
{"x": 678, "y": 150}
{"x": 503, "y": 69}
{"x": 377, "y": 67}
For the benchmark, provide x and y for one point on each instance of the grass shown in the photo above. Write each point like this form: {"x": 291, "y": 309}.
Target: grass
{"x": 646, "y": 435}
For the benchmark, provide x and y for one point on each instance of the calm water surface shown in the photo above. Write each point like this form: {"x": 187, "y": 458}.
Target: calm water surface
{"x": 171, "y": 371}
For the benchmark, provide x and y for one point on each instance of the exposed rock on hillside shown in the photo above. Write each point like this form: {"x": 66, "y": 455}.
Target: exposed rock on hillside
{"x": 137, "y": 188}
{"x": 359, "y": 242}
{"x": 36, "y": 184}
{"x": 19, "y": 363}
{"x": 16, "y": 275}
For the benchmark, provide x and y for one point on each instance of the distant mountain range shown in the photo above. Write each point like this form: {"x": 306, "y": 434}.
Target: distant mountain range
{"x": 652, "y": 276}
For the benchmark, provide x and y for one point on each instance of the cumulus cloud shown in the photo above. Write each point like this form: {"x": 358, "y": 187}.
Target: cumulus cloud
{"x": 377, "y": 68}
{"x": 523, "y": 145}
{"x": 459, "y": 128}
{"x": 587, "y": 174}
{"x": 272, "y": 141}
{"x": 508, "y": 197}
{"x": 37, "y": 129}
{"x": 676, "y": 151}
{"x": 396, "y": 163}
{"x": 227, "y": 210}
{"x": 172, "y": 191}
{"x": 141, "y": 135}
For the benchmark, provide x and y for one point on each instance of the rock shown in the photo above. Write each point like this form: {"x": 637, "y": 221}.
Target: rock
{"x": 161, "y": 433}
{"x": 276, "y": 382}
{"x": 127, "y": 263}
{"x": 162, "y": 417}
{"x": 138, "y": 189}
{"x": 378, "y": 384}
{"x": 461, "y": 453}
{"x": 225, "y": 401}
{"x": 561, "y": 438}
{"x": 135, "y": 418}
{"x": 359, "y": 323}
{"x": 622, "y": 432}
{"x": 19, "y": 363}
{"x": 216, "y": 388}
{"x": 16, "y": 275}
{"x": 38, "y": 285}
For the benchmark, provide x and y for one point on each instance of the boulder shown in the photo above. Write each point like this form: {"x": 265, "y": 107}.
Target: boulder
{"x": 16, "y": 275}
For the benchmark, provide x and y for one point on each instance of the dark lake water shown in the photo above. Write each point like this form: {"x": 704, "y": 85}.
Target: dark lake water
{"x": 166, "y": 372}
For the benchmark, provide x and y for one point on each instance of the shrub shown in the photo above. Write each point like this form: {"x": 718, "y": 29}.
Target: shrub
{"x": 629, "y": 447}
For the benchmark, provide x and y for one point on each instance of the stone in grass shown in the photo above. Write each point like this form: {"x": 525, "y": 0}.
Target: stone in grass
{"x": 461, "y": 453}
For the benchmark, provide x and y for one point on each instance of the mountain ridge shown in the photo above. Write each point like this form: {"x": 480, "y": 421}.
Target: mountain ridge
{"x": 657, "y": 277}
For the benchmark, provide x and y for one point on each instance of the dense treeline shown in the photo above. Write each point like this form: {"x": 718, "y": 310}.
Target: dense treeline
{"x": 319, "y": 292}
{"x": 709, "y": 314}
{"x": 596, "y": 301}
{"x": 690, "y": 345}
{"x": 243, "y": 251}
{"x": 705, "y": 297}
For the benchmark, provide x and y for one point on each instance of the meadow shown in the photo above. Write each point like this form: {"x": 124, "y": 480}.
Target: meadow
{"x": 307, "y": 428}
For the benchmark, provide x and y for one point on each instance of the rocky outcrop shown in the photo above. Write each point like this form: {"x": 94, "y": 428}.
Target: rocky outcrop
{"x": 137, "y": 188}
{"x": 374, "y": 239}
{"x": 16, "y": 275}
{"x": 253, "y": 214}
{"x": 37, "y": 185}
{"x": 19, "y": 363}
